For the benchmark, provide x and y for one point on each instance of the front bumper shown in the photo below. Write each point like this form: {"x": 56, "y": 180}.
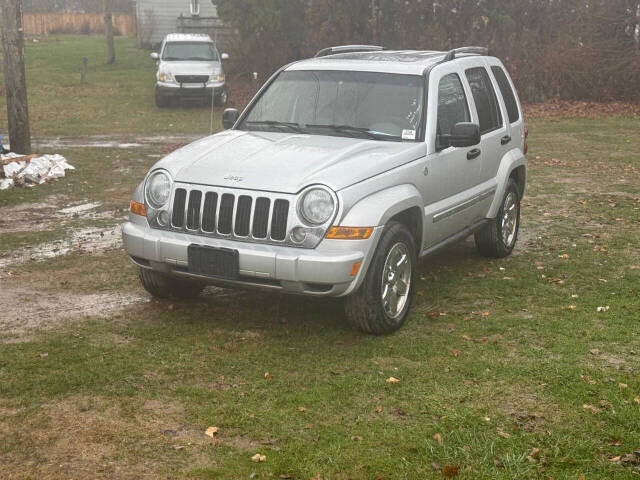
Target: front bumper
{"x": 175, "y": 90}
{"x": 323, "y": 271}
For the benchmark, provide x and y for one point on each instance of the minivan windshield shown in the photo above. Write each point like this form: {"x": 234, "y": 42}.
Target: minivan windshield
{"x": 184, "y": 51}
{"x": 373, "y": 105}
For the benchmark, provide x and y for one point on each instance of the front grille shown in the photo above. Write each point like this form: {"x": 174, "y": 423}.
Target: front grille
{"x": 220, "y": 213}
{"x": 192, "y": 78}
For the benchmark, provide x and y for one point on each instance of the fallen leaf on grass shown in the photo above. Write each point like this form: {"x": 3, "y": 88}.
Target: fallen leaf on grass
{"x": 591, "y": 408}
{"x": 316, "y": 477}
{"x": 268, "y": 376}
{"x": 466, "y": 337}
{"x": 450, "y": 471}
{"x": 588, "y": 379}
{"x": 211, "y": 431}
{"x": 533, "y": 455}
{"x": 486, "y": 419}
{"x": 623, "y": 385}
{"x": 486, "y": 314}
{"x": 564, "y": 255}
{"x": 285, "y": 476}
{"x": 302, "y": 408}
{"x": 433, "y": 314}
{"x": 392, "y": 380}
{"x": 594, "y": 351}
{"x": 455, "y": 352}
{"x": 356, "y": 438}
{"x": 503, "y": 434}
{"x": 438, "y": 438}
{"x": 170, "y": 307}
{"x": 258, "y": 457}
{"x": 615, "y": 459}
{"x": 435, "y": 466}
{"x": 379, "y": 409}
{"x": 637, "y": 400}
{"x": 603, "y": 309}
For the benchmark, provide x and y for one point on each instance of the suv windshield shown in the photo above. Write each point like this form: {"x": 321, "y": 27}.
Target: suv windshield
{"x": 183, "y": 51}
{"x": 380, "y": 106}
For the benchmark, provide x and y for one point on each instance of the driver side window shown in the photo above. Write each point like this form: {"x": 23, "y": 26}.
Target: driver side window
{"x": 452, "y": 104}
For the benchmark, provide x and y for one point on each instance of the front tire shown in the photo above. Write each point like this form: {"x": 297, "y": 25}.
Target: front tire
{"x": 161, "y": 285}
{"x": 161, "y": 100}
{"x": 222, "y": 99}
{"x": 499, "y": 237}
{"x": 381, "y": 305}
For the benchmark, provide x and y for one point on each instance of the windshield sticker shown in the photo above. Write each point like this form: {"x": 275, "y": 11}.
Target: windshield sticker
{"x": 408, "y": 134}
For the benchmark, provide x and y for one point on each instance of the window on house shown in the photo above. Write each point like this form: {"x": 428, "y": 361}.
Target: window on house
{"x": 195, "y": 7}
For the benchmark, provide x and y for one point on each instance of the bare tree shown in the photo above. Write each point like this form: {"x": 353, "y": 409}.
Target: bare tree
{"x": 108, "y": 31}
{"x": 14, "y": 77}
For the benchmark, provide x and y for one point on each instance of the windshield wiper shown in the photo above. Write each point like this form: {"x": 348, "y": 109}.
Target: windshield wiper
{"x": 203, "y": 59}
{"x": 294, "y": 127}
{"x": 357, "y": 131}
{"x": 171, "y": 59}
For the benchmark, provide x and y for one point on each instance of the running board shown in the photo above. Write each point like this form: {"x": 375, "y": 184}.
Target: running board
{"x": 461, "y": 235}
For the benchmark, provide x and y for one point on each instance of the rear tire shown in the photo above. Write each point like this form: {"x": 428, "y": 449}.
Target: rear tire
{"x": 371, "y": 308}
{"x": 499, "y": 237}
{"x": 161, "y": 285}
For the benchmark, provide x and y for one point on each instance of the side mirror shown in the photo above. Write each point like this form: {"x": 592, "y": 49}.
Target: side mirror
{"x": 155, "y": 56}
{"x": 224, "y": 56}
{"x": 230, "y": 117}
{"x": 463, "y": 134}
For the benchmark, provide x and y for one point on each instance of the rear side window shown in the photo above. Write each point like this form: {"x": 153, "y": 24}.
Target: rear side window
{"x": 507, "y": 94}
{"x": 485, "y": 99}
{"x": 452, "y": 103}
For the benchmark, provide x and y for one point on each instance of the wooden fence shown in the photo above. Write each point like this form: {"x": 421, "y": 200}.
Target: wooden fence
{"x": 82, "y": 23}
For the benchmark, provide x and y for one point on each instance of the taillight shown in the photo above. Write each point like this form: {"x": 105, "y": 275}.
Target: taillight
{"x": 526, "y": 135}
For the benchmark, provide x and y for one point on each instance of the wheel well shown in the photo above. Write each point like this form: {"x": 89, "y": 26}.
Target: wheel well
{"x": 519, "y": 174}
{"x": 412, "y": 219}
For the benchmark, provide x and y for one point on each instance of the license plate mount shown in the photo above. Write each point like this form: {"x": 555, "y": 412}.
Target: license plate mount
{"x": 213, "y": 261}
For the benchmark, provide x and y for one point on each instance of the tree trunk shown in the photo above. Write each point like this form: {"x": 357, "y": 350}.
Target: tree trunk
{"x": 14, "y": 77}
{"x": 108, "y": 31}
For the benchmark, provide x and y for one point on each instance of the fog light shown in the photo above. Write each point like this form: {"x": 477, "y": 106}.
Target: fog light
{"x": 298, "y": 234}
{"x": 163, "y": 218}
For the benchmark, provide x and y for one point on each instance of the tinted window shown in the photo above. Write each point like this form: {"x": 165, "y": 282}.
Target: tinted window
{"x": 452, "y": 103}
{"x": 183, "y": 51}
{"x": 485, "y": 99}
{"x": 507, "y": 94}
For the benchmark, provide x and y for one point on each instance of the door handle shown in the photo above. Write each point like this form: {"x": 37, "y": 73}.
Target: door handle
{"x": 475, "y": 153}
{"x": 504, "y": 140}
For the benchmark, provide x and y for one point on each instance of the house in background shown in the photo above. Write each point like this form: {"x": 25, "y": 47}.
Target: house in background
{"x": 157, "y": 18}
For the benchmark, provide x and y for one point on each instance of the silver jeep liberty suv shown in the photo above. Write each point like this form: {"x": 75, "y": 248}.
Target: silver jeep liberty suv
{"x": 340, "y": 173}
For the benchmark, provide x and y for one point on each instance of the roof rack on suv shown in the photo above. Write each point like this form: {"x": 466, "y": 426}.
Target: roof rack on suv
{"x": 469, "y": 50}
{"x": 348, "y": 49}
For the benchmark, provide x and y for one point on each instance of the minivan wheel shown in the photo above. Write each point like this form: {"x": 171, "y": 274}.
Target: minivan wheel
{"x": 499, "y": 237}
{"x": 161, "y": 285}
{"x": 223, "y": 98}
{"x": 381, "y": 305}
{"x": 161, "y": 100}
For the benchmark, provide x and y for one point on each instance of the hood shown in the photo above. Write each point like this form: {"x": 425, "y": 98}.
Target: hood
{"x": 190, "y": 68}
{"x": 281, "y": 162}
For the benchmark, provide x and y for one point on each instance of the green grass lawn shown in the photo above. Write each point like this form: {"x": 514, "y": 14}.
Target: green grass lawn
{"x": 506, "y": 368}
{"x": 117, "y": 99}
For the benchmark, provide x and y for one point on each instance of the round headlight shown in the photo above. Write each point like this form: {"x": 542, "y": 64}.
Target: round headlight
{"x": 317, "y": 206}
{"x": 158, "y": 189}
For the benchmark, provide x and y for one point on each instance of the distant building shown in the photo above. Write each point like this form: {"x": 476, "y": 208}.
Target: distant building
{"x": 157, "y": 18}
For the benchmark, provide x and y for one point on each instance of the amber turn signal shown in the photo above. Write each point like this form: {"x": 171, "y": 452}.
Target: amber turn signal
{"x": 355, "y": 268}
{"x": 138, "y": 209}
{"x": 349, "y": 233}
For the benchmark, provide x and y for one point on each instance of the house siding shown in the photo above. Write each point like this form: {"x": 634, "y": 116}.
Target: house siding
{"x": 157, "y": 18}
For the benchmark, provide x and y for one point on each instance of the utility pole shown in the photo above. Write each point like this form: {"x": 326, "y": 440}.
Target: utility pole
{"x": 14, "y": 77}
{"x": 108, "y": 31}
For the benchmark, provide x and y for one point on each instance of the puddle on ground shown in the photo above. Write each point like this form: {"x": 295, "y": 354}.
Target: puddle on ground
{"x": 103, "y": 141}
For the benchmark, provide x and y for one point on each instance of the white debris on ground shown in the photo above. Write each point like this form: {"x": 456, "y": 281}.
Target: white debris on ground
{"x": 29, "y": 170}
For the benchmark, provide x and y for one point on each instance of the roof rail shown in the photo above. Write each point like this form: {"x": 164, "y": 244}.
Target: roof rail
{"x": 470, "y": 50}
{"x": 348, "y": 49}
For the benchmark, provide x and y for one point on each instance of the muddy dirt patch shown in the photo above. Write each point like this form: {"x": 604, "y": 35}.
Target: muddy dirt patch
{"x": 27, "y": 308}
